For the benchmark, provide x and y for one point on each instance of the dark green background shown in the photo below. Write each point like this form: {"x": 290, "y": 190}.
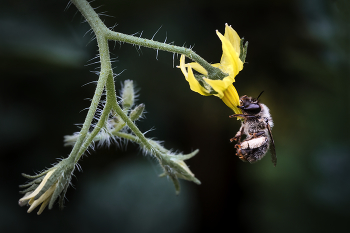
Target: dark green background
{"x": 299, "y": 53}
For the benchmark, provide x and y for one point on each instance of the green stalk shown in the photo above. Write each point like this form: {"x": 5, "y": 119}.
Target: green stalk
{"x": 103, "y": 34}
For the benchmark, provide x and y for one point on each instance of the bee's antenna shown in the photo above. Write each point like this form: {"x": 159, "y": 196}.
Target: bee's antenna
{"x": 259, "y": 95}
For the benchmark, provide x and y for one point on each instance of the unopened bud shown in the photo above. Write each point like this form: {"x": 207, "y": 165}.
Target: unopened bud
{"x": 136, "y": 113}
{"x": 128, "y": 94}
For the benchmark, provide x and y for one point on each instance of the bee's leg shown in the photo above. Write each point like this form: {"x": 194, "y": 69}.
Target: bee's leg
{"x": 241, "y": 115}
{"x": 258, "y": 134}
{"x": 236, "y": 115}
{"x": 239, "y": 153}
{"x": 238, "y": 135}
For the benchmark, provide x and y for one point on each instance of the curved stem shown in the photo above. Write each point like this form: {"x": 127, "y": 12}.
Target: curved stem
{"x": 91, "y": 113}
{"x": 103, "y": 34}
{"x": 111, "y": 98}
{"x": 135, "y": 139}
{"x": 111, "y": 35}
{"x": 142, "y": 139}
{"x": 90, "y": 15}
{"x": 213, "y": 72}
{"x": 100, "y": 28}
{"x": 100, "y": 124}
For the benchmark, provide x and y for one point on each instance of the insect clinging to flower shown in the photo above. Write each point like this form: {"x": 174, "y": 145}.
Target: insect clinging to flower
{"x": 256, "y": 126}
{"x": 255, "y": 116}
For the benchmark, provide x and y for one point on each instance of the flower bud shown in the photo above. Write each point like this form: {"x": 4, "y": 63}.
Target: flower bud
{"x": 175, "y": 167}
{"x": 47, "y": 186}
{"x": 128, "y": 94}
{"x": 136, "y": 113}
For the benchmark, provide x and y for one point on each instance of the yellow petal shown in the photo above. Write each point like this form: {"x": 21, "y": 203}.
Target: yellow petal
{"x": 37, "y": 190}
{"x": 220, "y": 86}
{"x": 231, "y": 99}
{"x": 230, "y": 62}
{"x": 233, "y": 37}
{"x": 194, "y": 84}
{"x": 30, "y": 202}
{"x": 198, "y": 68}
{"x": 43, "y": 206}
{"x": 182, "y": 66}
{"x": 42, "y": 198}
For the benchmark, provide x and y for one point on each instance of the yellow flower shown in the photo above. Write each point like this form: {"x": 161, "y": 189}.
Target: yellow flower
{"x": 43, "y": 199}
{"x": 230, "y": 64}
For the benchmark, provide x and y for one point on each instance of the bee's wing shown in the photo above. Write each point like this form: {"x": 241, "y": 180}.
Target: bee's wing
{"x": 272, "y": 146}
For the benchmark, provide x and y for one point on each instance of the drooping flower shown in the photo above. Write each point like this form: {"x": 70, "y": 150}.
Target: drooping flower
{"x": 48, "y": 186}
{"x": 175, "y": 167}
{"x": 44, "y": 199}
{"x": 233, "y": 56}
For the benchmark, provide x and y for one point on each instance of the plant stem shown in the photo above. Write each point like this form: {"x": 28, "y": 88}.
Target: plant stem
{"x": 100, "y": 29}
{"x": 142, "y": 139}
{"x": 87, "y": 123}
{"x": 103, "y": 34}
{"x": 91, "y": 16}
{"x": 98, "y": 26}
{"x": 111, "y": 35}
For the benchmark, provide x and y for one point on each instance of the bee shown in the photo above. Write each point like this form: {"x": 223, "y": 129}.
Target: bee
{"x": 256, "y": 126}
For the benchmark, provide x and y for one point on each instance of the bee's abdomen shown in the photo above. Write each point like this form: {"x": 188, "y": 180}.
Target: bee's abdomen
{"x": 254, "y": 143}
{"x": 252, "y": 150}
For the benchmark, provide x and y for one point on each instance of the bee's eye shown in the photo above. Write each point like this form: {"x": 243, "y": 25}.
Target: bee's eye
{"x": 252, "y": 108}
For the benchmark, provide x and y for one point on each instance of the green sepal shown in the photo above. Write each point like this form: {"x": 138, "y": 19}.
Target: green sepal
{"x": 173, "y": 177}
{"x": 215, "y": 73}
{"x": 244, "y": 50}
{"x": 175, "y": 169}
{"x": 186, "y": 176}
{"x": 62, "y": 183}
{"x": 176, "y": 184}
{"x": 186, "y": 156}
{"x": 204, "y": 84}
{"x": 36, "y": 181}
{"x": 36, "y": 176}
{"x": 196, "y": 181}
{"x": 52, "y": 179}
{"x": 62, "y": 196}
{"x": 31, "y": 188}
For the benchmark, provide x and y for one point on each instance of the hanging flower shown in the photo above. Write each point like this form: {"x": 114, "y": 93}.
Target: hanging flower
{"x": 46, "y": 187}
{"x": 175, "y": 167}
{"x": 233, "y": 56}
{"x": 44, "y": 199}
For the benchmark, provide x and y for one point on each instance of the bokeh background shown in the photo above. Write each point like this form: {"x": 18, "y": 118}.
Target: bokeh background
{"x": 299, "y": 54}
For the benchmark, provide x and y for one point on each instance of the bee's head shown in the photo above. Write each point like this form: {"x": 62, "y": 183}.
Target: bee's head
{"x": 250, "y": 105}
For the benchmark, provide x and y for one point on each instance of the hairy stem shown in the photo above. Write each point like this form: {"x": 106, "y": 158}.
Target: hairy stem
{"x": 103, "y": 34}
{"x": 111, "y": 35}
{"x": 92, "y": 110}
{"x": 100, "y": 28}
{"x": 91, "y": 17}
{"x": 100, "y": 124}
{"x": 142, "y": 139}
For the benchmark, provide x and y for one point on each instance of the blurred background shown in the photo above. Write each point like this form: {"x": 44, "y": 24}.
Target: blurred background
{"x": 299, "y": 54}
